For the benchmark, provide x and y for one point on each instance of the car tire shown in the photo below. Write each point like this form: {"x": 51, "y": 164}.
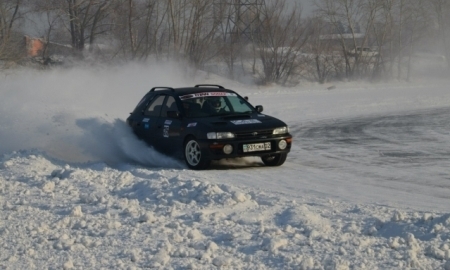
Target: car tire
{"x": 274, "y": 160}
{"x": 194, "y": 156}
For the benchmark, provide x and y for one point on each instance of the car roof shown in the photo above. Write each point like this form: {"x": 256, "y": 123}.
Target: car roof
{"x": 189, "y": 90}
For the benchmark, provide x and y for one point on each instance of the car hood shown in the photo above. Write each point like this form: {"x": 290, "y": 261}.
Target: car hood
{"x": 235, "y": 123}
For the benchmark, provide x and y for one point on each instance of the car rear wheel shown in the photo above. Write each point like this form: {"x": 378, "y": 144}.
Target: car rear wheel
{"x": 193, "y": 155}
{"x": 274, "y": 160}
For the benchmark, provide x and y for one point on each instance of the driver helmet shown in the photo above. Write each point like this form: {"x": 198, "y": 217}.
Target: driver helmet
{"x": 216, "y": 102}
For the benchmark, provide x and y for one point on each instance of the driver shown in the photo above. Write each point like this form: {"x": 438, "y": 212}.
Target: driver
{"x": 216, "y": 103}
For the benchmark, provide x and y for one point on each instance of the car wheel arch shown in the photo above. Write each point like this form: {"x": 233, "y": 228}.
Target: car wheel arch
{"x": 187, "y": 137}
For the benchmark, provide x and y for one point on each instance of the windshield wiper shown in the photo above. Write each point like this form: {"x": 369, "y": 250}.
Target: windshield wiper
{"x": 247, "y": 112}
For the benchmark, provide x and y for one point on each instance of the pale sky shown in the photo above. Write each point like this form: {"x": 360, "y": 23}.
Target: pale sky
{"x": 307, "y": 6}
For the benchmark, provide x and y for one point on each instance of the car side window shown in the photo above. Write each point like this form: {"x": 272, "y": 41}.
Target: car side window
{"x": 171, "y": 105}
{"x": 155, "y": 106}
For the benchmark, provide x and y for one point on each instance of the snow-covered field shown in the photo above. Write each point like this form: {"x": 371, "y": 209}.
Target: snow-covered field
{"x": 78, "y": 191}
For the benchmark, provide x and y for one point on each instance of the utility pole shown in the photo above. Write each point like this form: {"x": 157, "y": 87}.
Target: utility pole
{"x": 241, "y": 20}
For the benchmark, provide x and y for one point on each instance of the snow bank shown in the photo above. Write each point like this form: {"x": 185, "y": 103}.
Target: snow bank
{"x": 55, "y": 215}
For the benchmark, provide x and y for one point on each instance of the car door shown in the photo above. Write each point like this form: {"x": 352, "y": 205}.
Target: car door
{"x": 149, "y": 125}
{"x": 168, "y": 135}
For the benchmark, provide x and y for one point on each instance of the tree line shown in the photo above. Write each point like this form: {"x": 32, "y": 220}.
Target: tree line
{"x": 270, "y": 40}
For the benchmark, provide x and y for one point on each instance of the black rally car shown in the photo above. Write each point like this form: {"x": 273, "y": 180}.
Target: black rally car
{"x": 208, "y": 122}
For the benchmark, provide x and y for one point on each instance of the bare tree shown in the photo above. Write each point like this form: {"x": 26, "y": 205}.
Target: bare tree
{"x": 202, "y": 32}
{"x": 10, "y": 15}
{"x": 400, "y": 42}
{"x": 51, "y": 23}
{"x": 281, "y": 41}
{"x": 418, "y": 21}
{"x": 192, "y": 30}
{"x": 230, "y": 42}
{"x": 410, "y": 23}
{"x": 322, "y": 61}
{"x": 345, "y": 16}
{"x": 139, "y": 27}
{"x": 177, "y": 22}
{"x": 441, "y": 10}
{"x": 382, "y": 31}
{"x": 85, "y": 20}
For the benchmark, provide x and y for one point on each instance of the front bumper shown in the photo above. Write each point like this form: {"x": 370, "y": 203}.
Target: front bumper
{"x": 213, "y": 149}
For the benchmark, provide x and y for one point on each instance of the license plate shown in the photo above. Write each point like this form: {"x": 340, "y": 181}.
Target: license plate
{"x": 254, "y": 147}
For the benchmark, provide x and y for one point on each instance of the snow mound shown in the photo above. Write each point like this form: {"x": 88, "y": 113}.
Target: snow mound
{"x": 93, "y": 216}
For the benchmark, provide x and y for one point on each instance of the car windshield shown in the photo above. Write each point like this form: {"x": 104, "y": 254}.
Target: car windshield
{"x": 207, "y": 104}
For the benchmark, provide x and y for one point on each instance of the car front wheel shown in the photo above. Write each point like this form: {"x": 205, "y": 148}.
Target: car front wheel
{"x": 193, "y": 155}
{"x": 274, "y": 160}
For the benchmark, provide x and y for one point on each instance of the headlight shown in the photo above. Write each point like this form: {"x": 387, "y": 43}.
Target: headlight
{"x": 281, "y": 130}
{"x": 219, "y": 135}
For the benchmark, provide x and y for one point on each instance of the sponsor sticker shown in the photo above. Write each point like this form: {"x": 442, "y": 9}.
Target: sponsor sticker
{"x": 145, "y": 120}
{"x": 168, "y": 122}
{"x": 208, "y": 94}
{"x": 147, "y": 126}
{"x": 192, "y": 124}
{"x": 166, "y": 131}
{"x": 246, "y": 122}
{"x": 261, "y": 115}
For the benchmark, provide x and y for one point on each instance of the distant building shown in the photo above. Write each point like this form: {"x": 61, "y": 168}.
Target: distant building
{"x": 34, "y": 46}
{"x": 338, "y": 33}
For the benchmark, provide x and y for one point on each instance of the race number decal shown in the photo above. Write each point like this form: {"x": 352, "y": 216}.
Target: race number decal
{"x": 166, "y": 131}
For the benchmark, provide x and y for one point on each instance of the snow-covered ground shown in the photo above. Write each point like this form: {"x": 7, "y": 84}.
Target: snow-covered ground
{"x": 78, "y": 191}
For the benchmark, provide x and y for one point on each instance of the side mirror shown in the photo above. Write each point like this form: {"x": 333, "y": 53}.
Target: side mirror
{"x": 259, "y": 108}
{"x": 173, "y": 114}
